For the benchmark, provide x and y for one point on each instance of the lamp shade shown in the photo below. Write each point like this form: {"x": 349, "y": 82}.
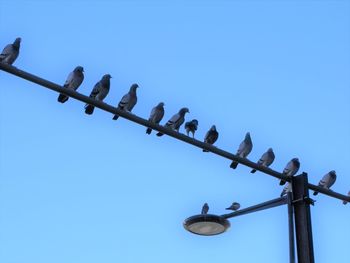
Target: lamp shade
{"x": 206, "y": 225}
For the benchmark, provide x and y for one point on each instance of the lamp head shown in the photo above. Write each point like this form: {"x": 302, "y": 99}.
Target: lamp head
{"x": 206, "y": 224}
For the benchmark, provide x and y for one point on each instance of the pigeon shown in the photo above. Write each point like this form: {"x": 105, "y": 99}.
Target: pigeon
{"x": 211, "y": 136}
{"x": 205, "y": 209}
{"x": 191, "y": 127}
{"x": 286, "y": 189}
{"x": 10, "y": 53}
{"x": 244, "y": 149}
{"x": 74, "y": 80}
{"x": 176, "y": 121}
{"x": 345, "y": 202}
{"x": 128, "y": 101}
{"x": 156, "y": 115}
{"x": 291, "y": 169}
{"x": 327, "y": 181}
{"x": 99, "y": 92}
{"x": 234, "y": 207}
{"x": 266, "y": 159}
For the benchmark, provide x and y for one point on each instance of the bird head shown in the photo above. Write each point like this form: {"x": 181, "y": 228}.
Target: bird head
{"x": 194, "y": 121}
{"x": 247, "y": 137}
{"x": 161, "y": 104}
{"x": 270, "y": 150}
{"x": 17, "y": 42}
{"x": 79, "y": 69}
{"x": 183, "y": 111}
{"x": 332, "y": 173}
{"x": 134, "y": 87}
{"x": 107, "y": 76}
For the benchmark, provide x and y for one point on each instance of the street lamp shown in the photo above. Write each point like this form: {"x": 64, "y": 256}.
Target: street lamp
{"x": 298, "y": 203}
{"x": 209, "y": 224}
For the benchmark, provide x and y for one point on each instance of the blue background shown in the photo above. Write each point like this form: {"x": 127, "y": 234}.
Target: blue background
{"x": 77, "y": 188}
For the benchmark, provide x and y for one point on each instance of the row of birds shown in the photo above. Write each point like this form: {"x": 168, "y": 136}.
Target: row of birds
{"x": 129, "y": 100}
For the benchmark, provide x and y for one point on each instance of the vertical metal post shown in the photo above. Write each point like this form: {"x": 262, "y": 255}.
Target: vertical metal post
{"x": 301, "y": 203}
{"x": 291, "y": 228}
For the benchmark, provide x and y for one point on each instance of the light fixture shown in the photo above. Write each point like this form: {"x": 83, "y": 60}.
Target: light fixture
{"x": 206, "y": 224}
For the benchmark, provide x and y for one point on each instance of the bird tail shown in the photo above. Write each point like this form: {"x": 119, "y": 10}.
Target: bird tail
{"x": 234, "y": 165}
{"x": 205, "y": 151}
{"x": 253, "y": 171}
{"x": 315, "y": 193}
{"x": 282, "y": 182}
{"x": 149, "y": 130}
{"x": 159, "y": 134}
{"x": 62, "y": 98}
{"x": 89, "y": 109}
{"x": 115, "y": 117}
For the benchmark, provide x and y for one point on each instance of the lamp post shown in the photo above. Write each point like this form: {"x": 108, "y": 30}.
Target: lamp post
{"x": 298, "y": 201}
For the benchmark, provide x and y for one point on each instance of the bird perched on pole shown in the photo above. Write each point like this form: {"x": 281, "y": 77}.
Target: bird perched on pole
{"x": 176, "y": 121}
{"x": 327, "y": 180}
{"x": 156, "y": 115}
{"x": 11, "y": 51}
{"x": 266, "y": 159}
{"x": 74, "y": 80}
{"x": 211, "y": 136}
{"x": 291, "y": 169}
{"x": 345, "y": 202}
{"x": 244, "y": 149}
{"x": 286, "y": 189}
{"x": 99, "y": 92}
{"x": 128, "y": 101}
{"x": 234, "y": 206}
{"x": 191, "y": 127}
{"x": 205, "y": 209}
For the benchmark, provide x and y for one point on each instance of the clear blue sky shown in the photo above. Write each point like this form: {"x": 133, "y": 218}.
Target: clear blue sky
{"x": 77, "y": 188}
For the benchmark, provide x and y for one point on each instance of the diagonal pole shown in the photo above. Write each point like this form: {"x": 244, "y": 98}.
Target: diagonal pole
{"x": 131, "y": 117}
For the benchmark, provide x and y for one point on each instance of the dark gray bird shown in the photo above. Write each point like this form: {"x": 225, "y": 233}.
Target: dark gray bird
{"x": 205, "y": 209}
{"x": 11, "y": 51}
{"x": 156, "y": 115}
{"x": 99, "y": 92}
{"x": 266, "y": 159}
{"x": 286, "y": 189}
{"x": 327, "y": 180}
{"x": 191, "y": 127}
{"x": 291, "y": 169}
{"x": 344, "y": 202}
{"x": 211, "y": 136}
{"x": 128, "y": 101}
{"x": 234, "y": 206}
{"x": 244, "y": 149}
{"x": 176, "y": 121}
{"x": 74, "y": 80}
